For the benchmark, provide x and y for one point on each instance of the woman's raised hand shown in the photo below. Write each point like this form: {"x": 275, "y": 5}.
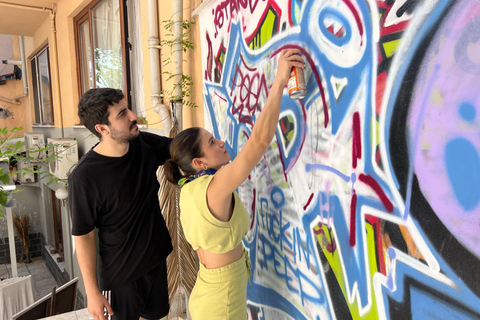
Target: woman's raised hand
{"x": 288, "y": 58}
{"x": 229, "y": 177}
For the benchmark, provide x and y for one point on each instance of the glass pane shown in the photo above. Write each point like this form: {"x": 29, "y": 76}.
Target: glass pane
{"x": 86, "y": 56}
{"x": 44, "y": 85}
{"x": 36, "y": 95}
{"x": 107, "y": 42}
{"x": 136, "y": 68}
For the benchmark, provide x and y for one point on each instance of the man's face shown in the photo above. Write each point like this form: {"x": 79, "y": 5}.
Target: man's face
{"x": 123, "y": 123}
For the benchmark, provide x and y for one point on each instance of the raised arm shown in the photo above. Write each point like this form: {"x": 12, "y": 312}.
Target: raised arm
{"x": 231, "y": 176}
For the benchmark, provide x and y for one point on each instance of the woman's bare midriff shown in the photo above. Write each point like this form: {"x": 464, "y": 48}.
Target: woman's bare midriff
{"x": 216, "y": 260}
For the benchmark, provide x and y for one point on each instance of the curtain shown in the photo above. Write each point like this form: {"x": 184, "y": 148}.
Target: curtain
{"x": 136, "y": 61}
{"x": 107, "y": 44}
{"x": 44, "y": 80}
{"x": 86, "y": 57}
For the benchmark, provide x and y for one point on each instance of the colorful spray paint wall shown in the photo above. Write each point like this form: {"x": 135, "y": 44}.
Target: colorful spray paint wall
{"x": 367, "y": 203}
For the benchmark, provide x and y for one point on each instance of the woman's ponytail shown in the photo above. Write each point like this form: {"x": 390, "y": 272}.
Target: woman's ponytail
{"x": 172, "y": 171}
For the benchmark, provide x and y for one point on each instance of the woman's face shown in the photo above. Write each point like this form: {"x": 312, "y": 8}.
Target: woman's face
{"x": 214, "y": 153}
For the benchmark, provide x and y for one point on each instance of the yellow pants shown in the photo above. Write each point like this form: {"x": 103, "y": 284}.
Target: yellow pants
{"x": 221, "y": 293}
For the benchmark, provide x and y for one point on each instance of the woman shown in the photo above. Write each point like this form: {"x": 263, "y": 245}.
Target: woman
{"x": 213, "y": 218}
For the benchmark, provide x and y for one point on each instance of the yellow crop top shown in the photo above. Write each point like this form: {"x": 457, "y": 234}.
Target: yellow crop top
{"x": 201, "y": 228}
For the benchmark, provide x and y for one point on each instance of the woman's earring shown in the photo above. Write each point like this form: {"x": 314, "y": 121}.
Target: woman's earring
{"x": 205, "y": 167}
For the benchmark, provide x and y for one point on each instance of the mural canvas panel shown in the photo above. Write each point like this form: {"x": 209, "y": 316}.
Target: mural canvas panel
{"x": 366, "y": 205}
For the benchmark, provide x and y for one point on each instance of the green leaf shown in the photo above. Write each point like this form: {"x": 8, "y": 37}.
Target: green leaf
{"x": 3, "y": 197}
{"x": 5, "y": 178}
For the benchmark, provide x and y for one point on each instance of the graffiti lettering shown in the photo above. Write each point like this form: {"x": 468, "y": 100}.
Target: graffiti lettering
{"x": 280, "y": 232}
{"x": 302, "y": 250}
{"x": 274, "y": 225}
{"x": 296, "y": 281}
{"x": 227, "y": 10}
{"x": 209, "y": 69}
{"x": 246, "y": 92}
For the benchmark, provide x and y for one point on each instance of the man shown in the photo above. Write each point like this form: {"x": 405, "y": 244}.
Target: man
{"x": 114, "y": 188}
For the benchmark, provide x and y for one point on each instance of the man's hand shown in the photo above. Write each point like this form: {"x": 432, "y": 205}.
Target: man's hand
{"x": 87, "y": 260}
{"x": 97, "y": 303}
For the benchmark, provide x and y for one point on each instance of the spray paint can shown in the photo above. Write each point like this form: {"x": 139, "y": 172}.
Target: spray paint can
{"x": 296, "y": 84}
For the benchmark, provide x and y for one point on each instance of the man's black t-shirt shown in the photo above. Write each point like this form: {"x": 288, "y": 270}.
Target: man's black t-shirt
{"x": 118, "y": 195}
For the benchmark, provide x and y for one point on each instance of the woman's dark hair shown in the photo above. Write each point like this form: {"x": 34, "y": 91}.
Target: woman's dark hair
{"x": 94, "y": 104}
{"x": 185, "y": 147}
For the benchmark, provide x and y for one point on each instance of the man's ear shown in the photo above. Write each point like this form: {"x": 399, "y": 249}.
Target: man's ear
{"x": 102, "y": 129}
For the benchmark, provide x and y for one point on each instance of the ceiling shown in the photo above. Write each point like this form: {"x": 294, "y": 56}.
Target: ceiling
{"x": 23, "y": 17}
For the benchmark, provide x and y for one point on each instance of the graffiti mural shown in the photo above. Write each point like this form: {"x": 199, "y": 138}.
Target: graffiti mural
{"x": 366, "y": 204}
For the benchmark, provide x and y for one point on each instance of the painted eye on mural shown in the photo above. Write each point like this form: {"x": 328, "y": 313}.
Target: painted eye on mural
{"x": 339, "y": 31}
{"x": 334, "y": 27}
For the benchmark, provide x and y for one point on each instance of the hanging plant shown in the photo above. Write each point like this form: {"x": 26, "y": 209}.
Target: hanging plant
{"x": 186, "y": 82}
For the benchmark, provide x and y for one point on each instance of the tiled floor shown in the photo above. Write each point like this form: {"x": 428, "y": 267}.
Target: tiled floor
{"x": 43, "y": 280}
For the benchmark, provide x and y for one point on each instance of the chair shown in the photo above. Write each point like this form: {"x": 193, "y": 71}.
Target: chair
{"x": 61, "y": 300}
{"x": 65, "y": 296}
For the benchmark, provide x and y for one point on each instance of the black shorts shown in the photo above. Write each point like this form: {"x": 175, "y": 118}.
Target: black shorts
{"x": 145, "y": 297}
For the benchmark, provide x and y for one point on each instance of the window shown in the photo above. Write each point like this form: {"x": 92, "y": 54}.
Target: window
{"x": 42, "y": 90}
{"x": 100, "y": 36}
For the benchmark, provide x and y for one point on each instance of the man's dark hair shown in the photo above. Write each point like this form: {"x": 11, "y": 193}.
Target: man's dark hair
{"x": 93, "y": 107}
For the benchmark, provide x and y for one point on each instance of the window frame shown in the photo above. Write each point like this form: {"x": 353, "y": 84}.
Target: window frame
{"x": 37, "y": 91}
{"x": 86, "y": 15}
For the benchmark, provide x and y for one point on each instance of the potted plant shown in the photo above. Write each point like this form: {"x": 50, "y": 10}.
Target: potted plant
{"x": 22, "y": 227}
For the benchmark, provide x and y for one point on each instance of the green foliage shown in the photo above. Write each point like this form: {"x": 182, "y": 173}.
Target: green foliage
{"x": 15, "y": 153}
{"x": 108, "y": 68}
{"x": 142, "y": 120}
{"x": 3, "y": 201}
{"x": 186, "y": 82}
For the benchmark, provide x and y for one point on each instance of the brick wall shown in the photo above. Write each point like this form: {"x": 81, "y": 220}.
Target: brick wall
{"x": 60, "y": 276}
{"x": 35, "y": 247}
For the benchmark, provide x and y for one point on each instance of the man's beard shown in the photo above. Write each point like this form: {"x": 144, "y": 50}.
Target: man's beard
{"x": 123, "y": 137}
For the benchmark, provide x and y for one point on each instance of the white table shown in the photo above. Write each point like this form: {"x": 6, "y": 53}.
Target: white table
{"x": 81, "y": 314}
{"x": 15, "y": 295}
